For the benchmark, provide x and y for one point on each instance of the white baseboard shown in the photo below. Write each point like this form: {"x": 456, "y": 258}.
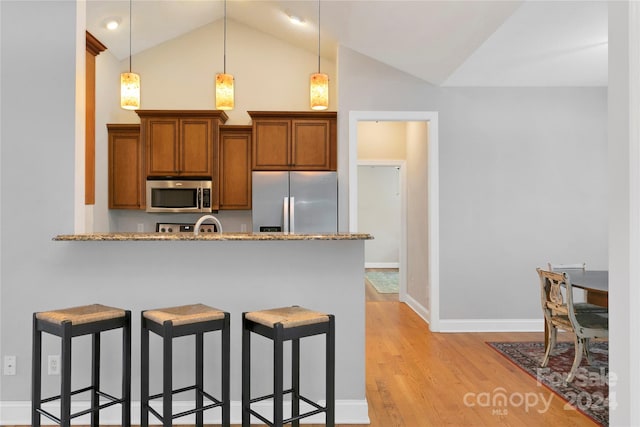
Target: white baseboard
{"x": 19, "y": 413}
{"x": 477, "y": 325}
{"x": 491, "y": 325}
{"x": 381, "y": 265}
{"x": 420, "y": 310}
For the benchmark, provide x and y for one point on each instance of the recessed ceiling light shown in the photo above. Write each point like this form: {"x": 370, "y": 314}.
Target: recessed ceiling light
{"x": 295, "y": 19}
{"x": 112, "y": 23}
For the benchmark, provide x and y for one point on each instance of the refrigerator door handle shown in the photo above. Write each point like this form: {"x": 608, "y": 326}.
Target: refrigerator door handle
{"x": 292, "y": 214}
{"x": 285, "y": 215}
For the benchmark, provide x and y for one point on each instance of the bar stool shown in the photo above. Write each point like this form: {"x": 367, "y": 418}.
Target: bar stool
{"x": 173, "y": 322}
{"x": 66, "y": 324}
{"x": 279, "y": 325}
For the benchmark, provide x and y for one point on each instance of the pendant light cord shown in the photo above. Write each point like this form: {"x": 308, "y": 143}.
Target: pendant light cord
{"x": 318, "y": 36}
{"x": 224, "y": 55}
{"x": 130, "y": 35}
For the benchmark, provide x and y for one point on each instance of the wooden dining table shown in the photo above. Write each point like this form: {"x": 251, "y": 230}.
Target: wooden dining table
{"x": 595, "y": 282}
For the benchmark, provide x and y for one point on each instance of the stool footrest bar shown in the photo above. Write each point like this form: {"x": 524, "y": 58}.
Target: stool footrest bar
{"x": 195, "y": 410}
{"x": 314, "y": 404}
{"x": 80, "y": 413}
{"x": 305, "y": 415}
{"x": 208, "y": 396}
{"x": 51, "y": 399}
{"x": 48, "y": 415}
{"x": 179, "y": 390}
{"x": 269, "y": 396}
{"x": 288, "y": 420}
{"x": 216, "y": 403}
{"x": 260, "y": 417}
{"x": 90, "y": 410}
{"x": 108, "y": 396}
{"x": 156, "y": 414}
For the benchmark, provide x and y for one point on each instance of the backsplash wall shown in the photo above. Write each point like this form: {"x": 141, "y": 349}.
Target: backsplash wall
{"x": 129, "y": 220}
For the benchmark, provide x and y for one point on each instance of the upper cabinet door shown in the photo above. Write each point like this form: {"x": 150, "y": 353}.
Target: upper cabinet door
{"x": 181, "y": 142}
{"x": 271, "y": 146}
{"x": 196, "y": 148}
{"x": 235, "y": 167}
{"x": 162, "y": 147}
{"x": 310, "y": 148}
{"x": 126, "y": 184}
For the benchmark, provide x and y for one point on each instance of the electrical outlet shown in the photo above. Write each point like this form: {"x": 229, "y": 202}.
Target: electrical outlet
{"x": 243, "y": 228}
{"x": 53, "y": 364}
{"x": 9, "y": 365}
{"x": 140, "y": 228}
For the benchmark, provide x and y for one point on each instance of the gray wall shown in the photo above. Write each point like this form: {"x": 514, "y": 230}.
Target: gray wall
{"x": 523, "y": 180}
{"x": 37, "y": 167}
{"x": 379, "y": 214}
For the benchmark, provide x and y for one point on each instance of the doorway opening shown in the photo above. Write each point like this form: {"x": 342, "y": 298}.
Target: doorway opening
{"x": 381, "y": 208}
{"x": 419, "y": 248}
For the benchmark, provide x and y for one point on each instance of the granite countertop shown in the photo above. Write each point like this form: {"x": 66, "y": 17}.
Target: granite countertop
{"x": 97, "y": 237}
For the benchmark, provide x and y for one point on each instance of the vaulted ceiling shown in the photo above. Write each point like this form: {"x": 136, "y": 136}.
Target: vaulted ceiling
{"x": 448, "y": 43}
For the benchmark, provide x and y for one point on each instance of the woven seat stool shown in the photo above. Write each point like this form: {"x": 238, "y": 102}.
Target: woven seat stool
{"x": 173, "y": 322}
{"x": 66, "y": 324}
{"x": 280, "y": 325}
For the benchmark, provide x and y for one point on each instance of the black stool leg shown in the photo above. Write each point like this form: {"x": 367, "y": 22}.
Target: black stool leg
{"x": 65, "y": 376}
{"x": 246, "y": 372}
{"x": 95, "y": 379}
{"x": 295, "y": 381}
{"x": 126, "y": 370}
{"x": 331, "y": 373}
{"x": 144, "y": 372}
{"x": 278, "y": 344}
{"x": 226, "y": 348}
{"x": 36, "y": 373}
{"x": 167, "y": 374}
{"x": 199, "y": 378}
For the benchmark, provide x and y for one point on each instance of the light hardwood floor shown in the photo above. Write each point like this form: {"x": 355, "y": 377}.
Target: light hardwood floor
{"x": 416, "y": 378}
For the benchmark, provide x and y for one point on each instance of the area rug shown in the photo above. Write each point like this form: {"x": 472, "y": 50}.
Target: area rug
{"x": 587, "y": 393}
{"x": 385, "y": 282}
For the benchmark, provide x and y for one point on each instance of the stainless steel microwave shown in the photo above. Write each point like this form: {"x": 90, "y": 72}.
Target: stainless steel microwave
{"x": 179, "y": 195}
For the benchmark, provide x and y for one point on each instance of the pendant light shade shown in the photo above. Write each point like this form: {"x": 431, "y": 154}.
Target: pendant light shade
{"x": 224, "y": 81}
{"x": 319, "y": 91}
{"x": 130, "y": 91}
{"x": 224, "y": 92}
{"x": 319, "y": 82}
{"x": 130, "y": 82}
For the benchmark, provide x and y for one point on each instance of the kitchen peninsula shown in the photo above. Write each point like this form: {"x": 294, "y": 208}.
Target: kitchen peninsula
{"x": 235, "y": 272}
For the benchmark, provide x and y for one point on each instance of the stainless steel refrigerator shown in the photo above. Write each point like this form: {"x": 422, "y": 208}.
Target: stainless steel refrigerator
{"x": 295, "y": 202}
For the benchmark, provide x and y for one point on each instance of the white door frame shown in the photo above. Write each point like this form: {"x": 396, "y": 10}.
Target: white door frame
{"x": 433, "y": 315}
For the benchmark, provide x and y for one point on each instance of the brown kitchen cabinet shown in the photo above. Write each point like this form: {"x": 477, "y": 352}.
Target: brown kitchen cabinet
{"x": 294, "y": 140}
{"x": 126, "y": 166}
{"x": 235, "y": 167}
{"x": 181, "y": 142}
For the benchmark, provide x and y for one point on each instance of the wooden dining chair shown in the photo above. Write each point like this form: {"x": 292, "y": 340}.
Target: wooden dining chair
{"x": 560, "y": 313}
{"x": 579, "y": 295}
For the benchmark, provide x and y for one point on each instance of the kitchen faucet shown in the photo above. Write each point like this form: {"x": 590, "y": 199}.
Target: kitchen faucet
{"x": 202, "y": 219}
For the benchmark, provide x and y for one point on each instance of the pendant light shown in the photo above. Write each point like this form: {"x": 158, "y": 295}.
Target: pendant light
{"x": 319, "y": 82}
{"x": 130, "y": 82}
{"x": 224, "y": 81}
